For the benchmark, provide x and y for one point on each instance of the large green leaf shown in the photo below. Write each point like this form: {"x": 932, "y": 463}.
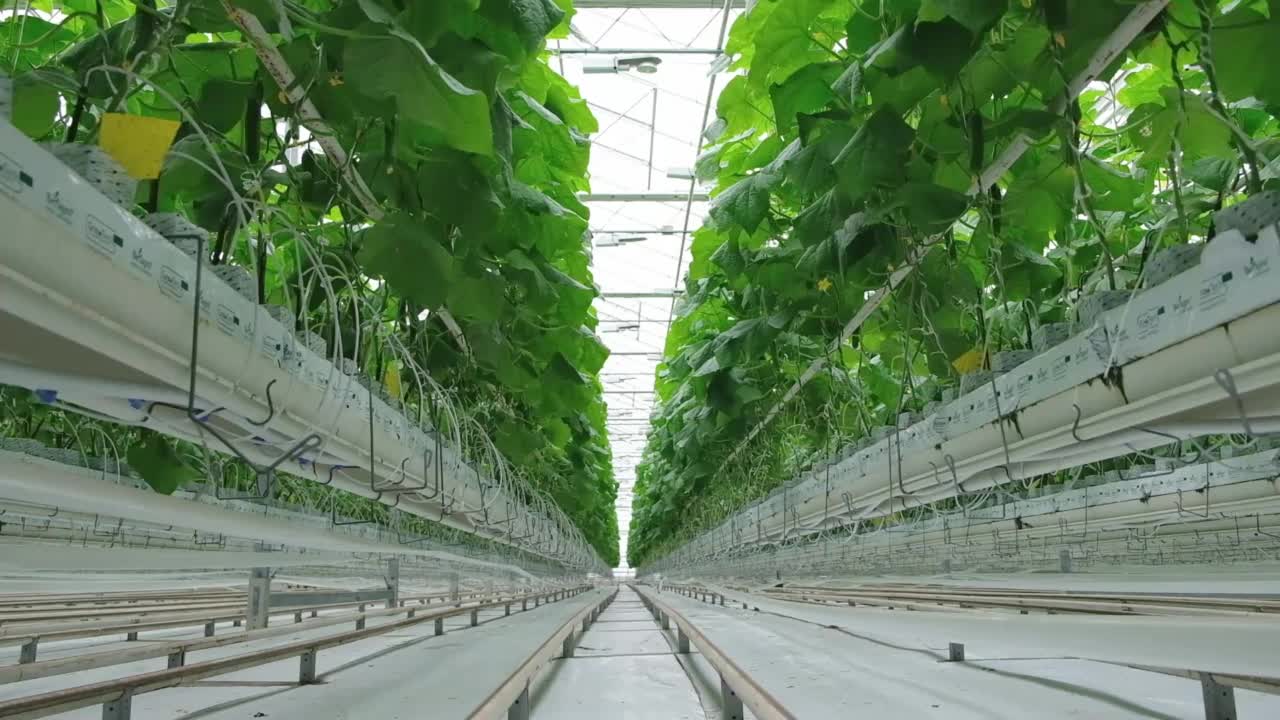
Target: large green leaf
{"x": 159, "y": 465}
{"x": 1240, "y": 39}
{"x": 408, "y": 254}
{"x": 396, "y": 67}
{"x": 745, "y": 203}
{"x": 806, "y": 91}
{"x": 877, "y": 154}
{"x": 976, "y": 15}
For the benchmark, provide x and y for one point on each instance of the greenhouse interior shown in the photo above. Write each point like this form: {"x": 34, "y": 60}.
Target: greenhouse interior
{"x": 652, "y": 359}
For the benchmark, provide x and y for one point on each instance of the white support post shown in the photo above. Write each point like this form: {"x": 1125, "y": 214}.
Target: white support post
{"x": 307, "y": 667}
{"x": 119, "y": 709}
{"x": 259, "y": 610}
{"x": 520, "y": 708}
{"x": 1219, "y": 700}
{"x": 28, "y": 652}
{"x": 730, "y": 703}
{"x": 393, "y": 582}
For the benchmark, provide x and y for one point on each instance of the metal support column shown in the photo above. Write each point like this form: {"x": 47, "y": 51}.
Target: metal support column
{"x": 259, "y": 598}
{"x": 682, "y": 641}
{"x": 1219, "y": 700}
{"x": 520, "y": 708}
{"x": 566, "y": 648}
{"x": 506, "y": 610}
{"x": 131, "y": 637}
{"x": 307, "y": 667}
{"x": 475, "y": 618}
{"x": 393, "y": 582}
{"x": 209, "y": 628}
{"x": 666, "y": 621}
{"x": 524, "y": 603}
{"x": 455, "y": 592}
{"x": 178, "y": 658}
{"x": 730, "y": 703}
{"x": 955, "y": 652}
{"x": 439, "y": 626}
{"x": 28, "y": 652}
{"x": 119, "y": 709}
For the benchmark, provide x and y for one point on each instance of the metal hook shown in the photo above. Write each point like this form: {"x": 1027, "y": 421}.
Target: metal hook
{"x": 1228, "y": 383}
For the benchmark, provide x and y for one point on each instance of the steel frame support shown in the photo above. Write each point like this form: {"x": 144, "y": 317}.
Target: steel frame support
{"x": 520, "y": 708}
{"x": 1219, "y": 700}
{"x": 730, "y": 703}
{"x": 665, "y": 619}
{"x": 955, "y": 652}
{"x": 682, "y": 641}
{"x": 307, "y": 667}
{"x": 475, "y": 618}
{"x": 210, "y": 628}
{"x": 259, "y": 610}
{"x": 28, "y": 652}
{"x": 119, "y": 709}
{"x": 455, "y": 592}
{"x": 393, "y": 582}
{"x": 439, "y": 626}
{"x": 178, "y": 658}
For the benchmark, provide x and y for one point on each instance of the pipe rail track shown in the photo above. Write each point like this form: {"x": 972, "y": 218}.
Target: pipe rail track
{"x": 116, "y": 696}
{"x": 1026, "y": 600}
{"x": 737, "y": 688}
{"x": 31, "y": 636}
{"x": 511, "y": 698}
{"x": 1218, "y": 689}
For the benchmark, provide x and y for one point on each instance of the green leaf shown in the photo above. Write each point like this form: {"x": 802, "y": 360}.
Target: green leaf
{"x": 745, "y": 203}
{"x": 976, "y": 15}
{"x": 159, "y": 465}
{"x": 932, "y": 208}
{"x": 1240, "y": 40}
{"x": 730, "y": 259}
{"x": 222, "y": 103}
{"x": 407, "y": 253}
{"x": 398, "y": 68}
{"x": 877, "y": 154}
{"x": 35, "y": 105}
{"x": 477, "y": 297}
{"x": 806, "y": 91}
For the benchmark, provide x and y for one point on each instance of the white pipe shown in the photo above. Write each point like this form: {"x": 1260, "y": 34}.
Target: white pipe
{"x": 33, "y": 480}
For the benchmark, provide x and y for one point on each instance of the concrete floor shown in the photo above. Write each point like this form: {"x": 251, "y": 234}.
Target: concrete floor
{"x": 623, "y": 667}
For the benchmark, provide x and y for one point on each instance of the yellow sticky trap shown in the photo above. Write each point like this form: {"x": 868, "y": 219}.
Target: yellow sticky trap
{"x": 968, "y": 362}
{"x": 138, "y": 143}
{"x": 392, "y": 380}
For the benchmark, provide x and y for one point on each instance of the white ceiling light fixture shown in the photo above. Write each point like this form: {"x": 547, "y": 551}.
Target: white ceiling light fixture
{"x": 645, "y": 64}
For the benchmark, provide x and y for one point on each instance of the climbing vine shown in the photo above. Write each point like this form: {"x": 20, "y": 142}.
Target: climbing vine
{"x": 853, "y": 141}
{"x": 450, "y": 245}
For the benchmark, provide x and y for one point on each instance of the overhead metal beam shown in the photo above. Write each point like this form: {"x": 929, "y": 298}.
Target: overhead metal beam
{"x": 662, "y": 294}
{"x": 658, "y": 4}
{"x": 643, "y": 197}
{"x": 634, "y": 51}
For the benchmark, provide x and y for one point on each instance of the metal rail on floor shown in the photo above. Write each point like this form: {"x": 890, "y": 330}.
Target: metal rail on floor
{"x": 30, "y": 636}
{"x": 737, "y": 688}
{"x": 1217, "y": 689}
{"x": 1050, "y": 601}
{"x": 511, "y": 698}
{"x": 116, "y": 696}
{"x": 29, "y": 669}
